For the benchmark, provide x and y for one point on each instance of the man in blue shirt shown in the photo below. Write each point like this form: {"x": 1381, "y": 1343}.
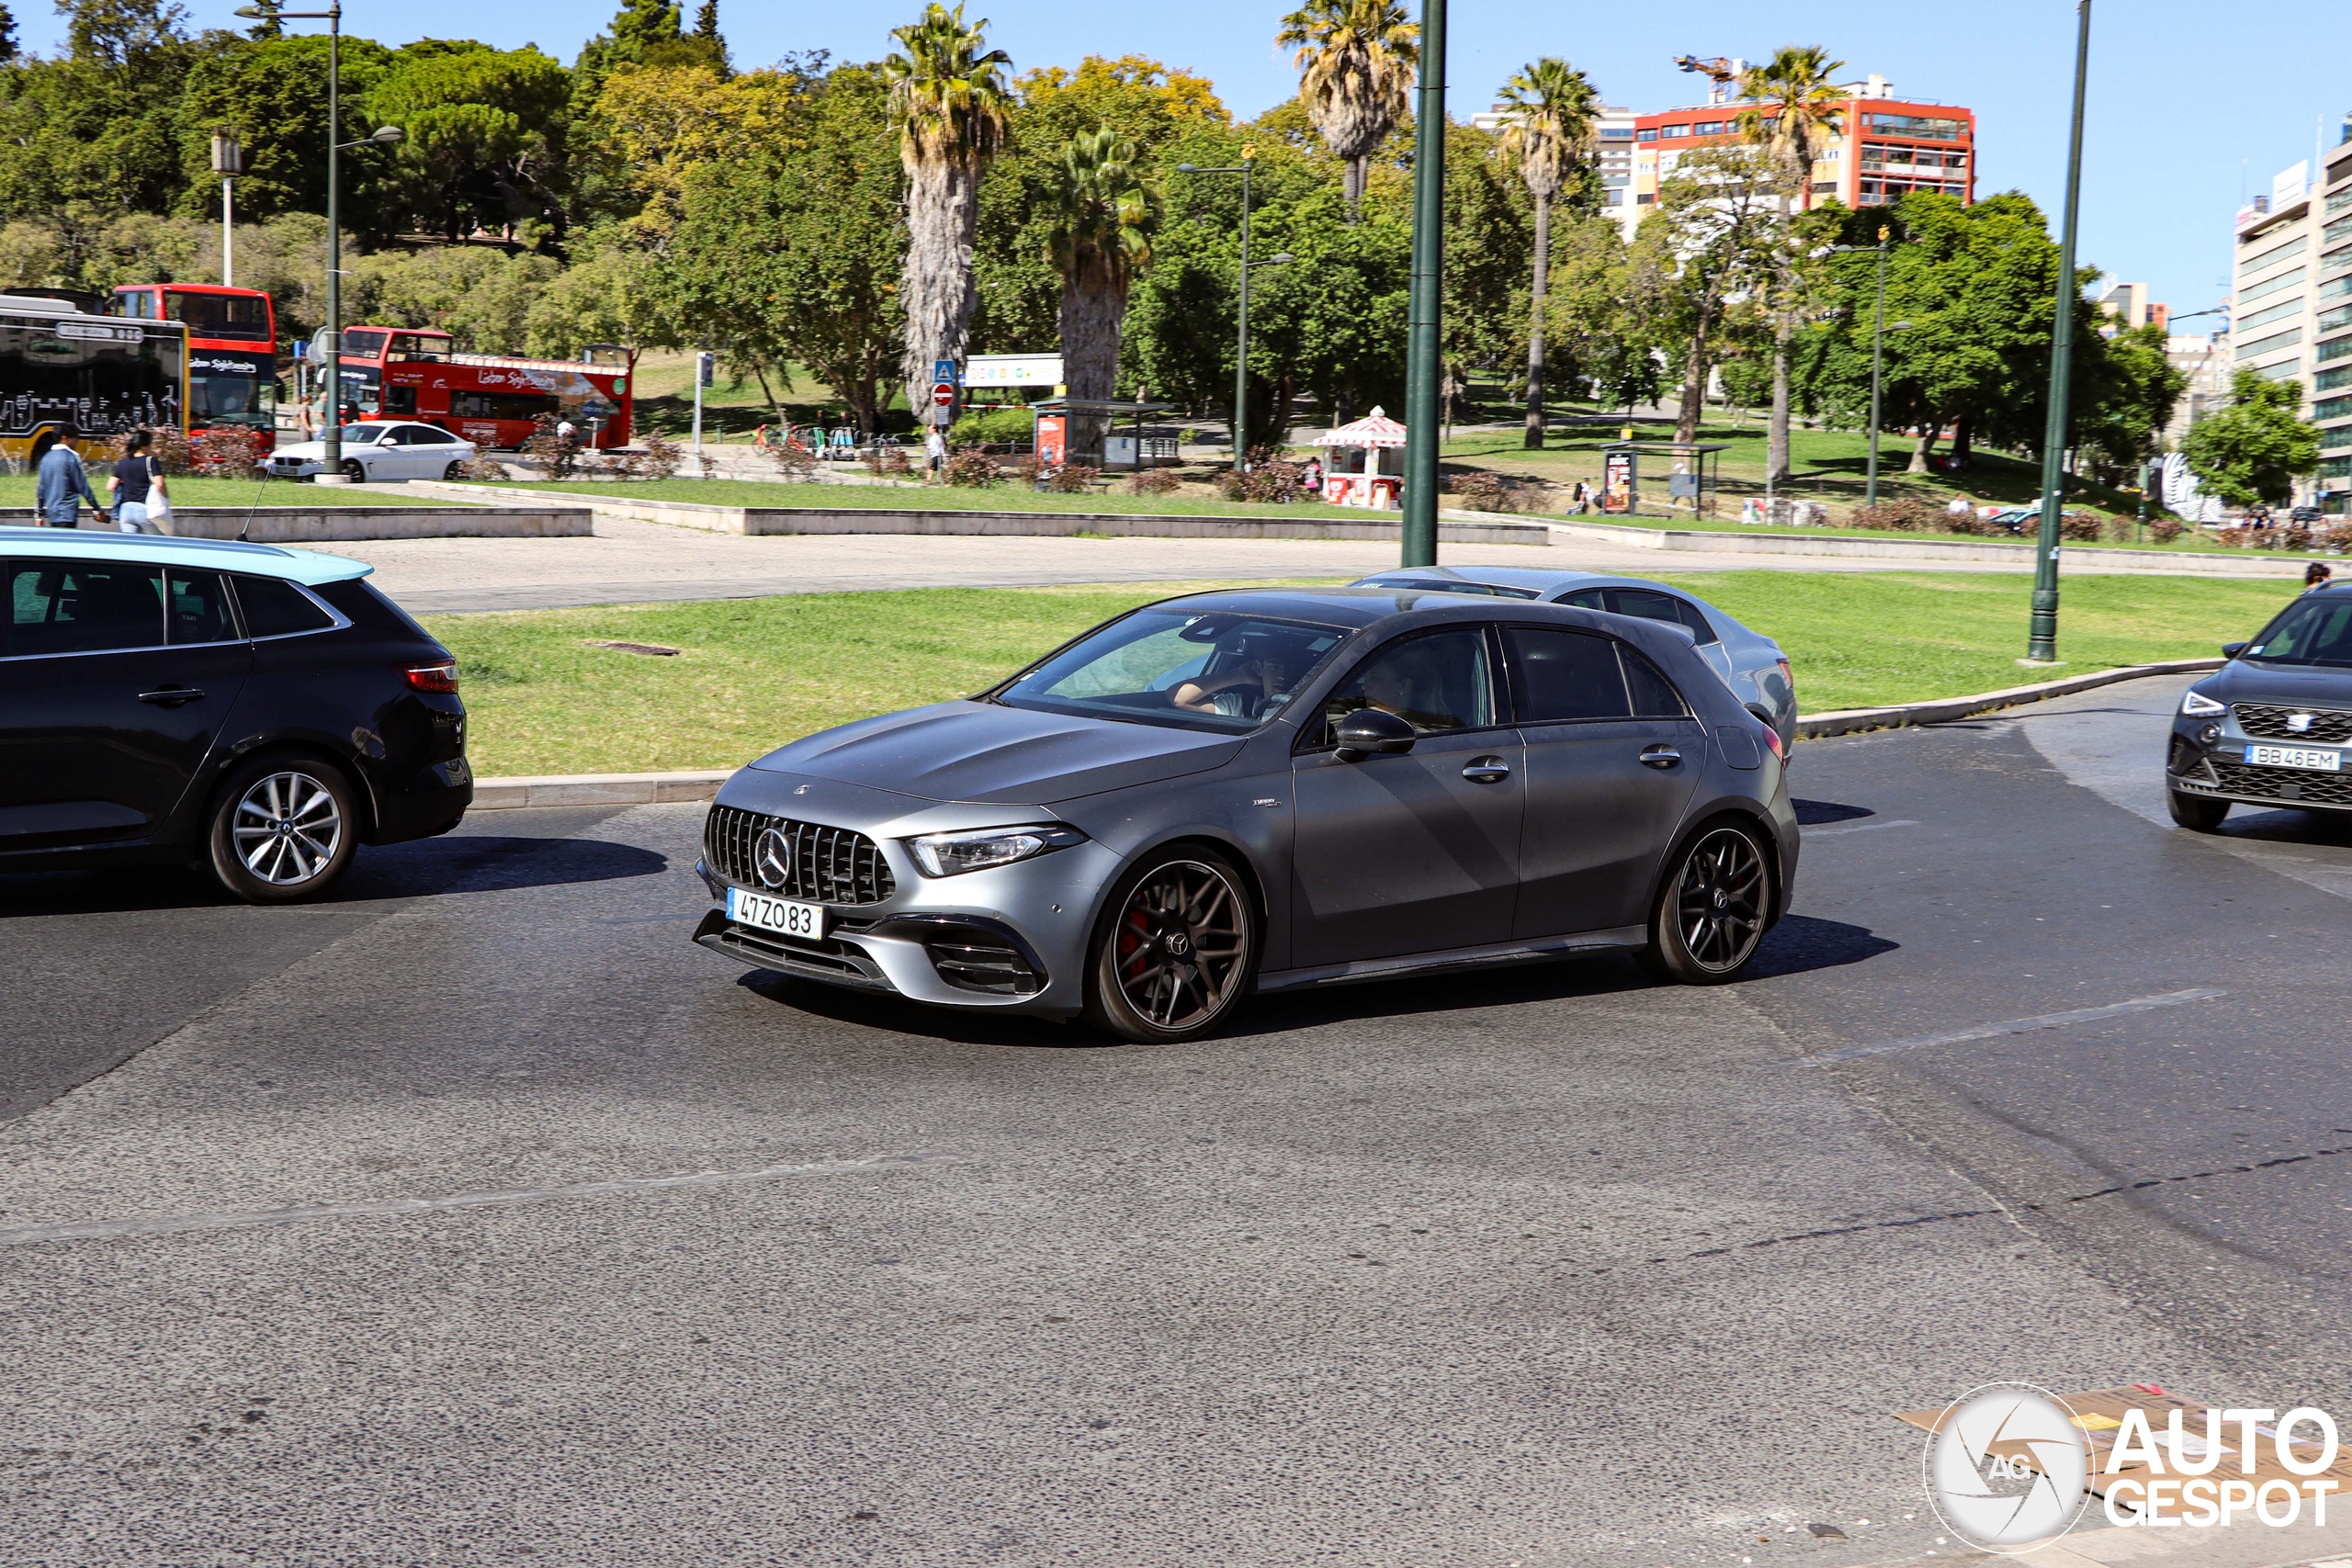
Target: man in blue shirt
{"x": 62, "y": 485}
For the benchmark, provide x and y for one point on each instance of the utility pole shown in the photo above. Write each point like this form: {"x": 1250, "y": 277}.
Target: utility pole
{"x": 1877, "y": 370}
{"x": 1424, "y": 347}
{"x": 2042, "y": 639}
{"x": 704, "y": 361}
{"x": 1241, "y": 349}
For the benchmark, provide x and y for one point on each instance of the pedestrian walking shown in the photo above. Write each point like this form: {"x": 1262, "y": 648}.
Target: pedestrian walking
{"x": 1311, "y": 477}
{"x": 62, "y": 485}
{"x": 137, "y": 489}
{"x": 934, "y": 450}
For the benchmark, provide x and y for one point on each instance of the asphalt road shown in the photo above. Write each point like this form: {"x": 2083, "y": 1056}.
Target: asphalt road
{"x": 478, "y": 1217}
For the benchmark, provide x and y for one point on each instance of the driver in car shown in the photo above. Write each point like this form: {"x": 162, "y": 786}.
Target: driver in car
{"x": 1242, "y": 692}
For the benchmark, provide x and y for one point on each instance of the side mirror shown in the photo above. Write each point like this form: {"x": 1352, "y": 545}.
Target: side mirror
{"x": 1370, "y": 732}
{"x": 2232, "y": 649}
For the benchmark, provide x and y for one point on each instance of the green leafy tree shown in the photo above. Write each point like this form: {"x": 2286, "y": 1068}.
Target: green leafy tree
{"x": 1100, "y": 240}
{"x": 2256, "y": 446}
{"x": 94, "y": 133}
{"x": 486, "y": 139}
{"x": 1549, "y": 132}
{"x": 1700, "y": 260}
{"x": 1792, "y": 106}
{"x": 1355, "y": 60}
{"x": 949, "y": 102}
{"x": 796, "y": 259}
{"x": 273, "y": 93}
{"x": 1488, "y": 215}
{"x": 2126, "y": 388}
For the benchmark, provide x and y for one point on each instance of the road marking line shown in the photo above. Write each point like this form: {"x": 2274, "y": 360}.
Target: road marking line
{"x": 1858, "y": 827}
{"x": 2022, "y": 1025}
{"x": 168, "y": 1224}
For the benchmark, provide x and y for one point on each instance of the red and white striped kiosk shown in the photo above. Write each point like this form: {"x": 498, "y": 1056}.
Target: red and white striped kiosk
{"x": 1366, "y": 467}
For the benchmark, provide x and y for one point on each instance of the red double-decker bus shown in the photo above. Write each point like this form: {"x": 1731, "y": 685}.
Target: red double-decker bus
{"x": 491, "y": 399}
{"x": 232, "y": 351}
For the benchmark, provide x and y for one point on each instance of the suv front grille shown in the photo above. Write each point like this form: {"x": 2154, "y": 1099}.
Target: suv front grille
{"x": 2330, "y": 726}
{"x": 829, "y": 865}
{"x": 2284, "y": 784}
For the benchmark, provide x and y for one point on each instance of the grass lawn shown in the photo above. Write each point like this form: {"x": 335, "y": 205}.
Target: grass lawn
{"x": 939, "y": 497}
{"x": 753, "y": 674}
{"x": 2191, "y": 543}
{"x": 194, "y": 489}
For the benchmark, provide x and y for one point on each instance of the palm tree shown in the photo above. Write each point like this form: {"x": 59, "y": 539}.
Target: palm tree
{"x": 1355, "y": 61}
{"x": 1550, "y": 130}
{"x": 1792, "y": 108}
{"x": 949, "y": 102}
{"x": 1103, "y": 219}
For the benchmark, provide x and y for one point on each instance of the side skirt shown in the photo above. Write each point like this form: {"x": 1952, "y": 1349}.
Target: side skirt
{"x": 1493, "y": 955}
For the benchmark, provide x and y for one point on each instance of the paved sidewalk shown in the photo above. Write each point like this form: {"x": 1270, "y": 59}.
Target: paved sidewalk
{"x": 630, "y": 562}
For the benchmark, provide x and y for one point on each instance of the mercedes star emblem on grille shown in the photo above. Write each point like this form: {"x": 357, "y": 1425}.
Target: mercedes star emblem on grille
{"x": 772, "y": 858}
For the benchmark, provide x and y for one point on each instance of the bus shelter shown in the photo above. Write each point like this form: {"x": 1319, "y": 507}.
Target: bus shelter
{"x": 1086, "y": 431}
{"x": 1693, "y": 472}
{"x": 1367, "y": 463}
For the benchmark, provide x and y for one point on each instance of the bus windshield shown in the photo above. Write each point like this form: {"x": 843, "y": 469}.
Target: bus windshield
{"x": 215, "y": 398}
{"x": 238, "y": 316}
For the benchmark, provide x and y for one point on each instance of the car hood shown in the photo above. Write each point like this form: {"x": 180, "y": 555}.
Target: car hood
{"x": 315, "y": 451}
{"x": 990, "y": 754}
{"x": 2248, "y": 680}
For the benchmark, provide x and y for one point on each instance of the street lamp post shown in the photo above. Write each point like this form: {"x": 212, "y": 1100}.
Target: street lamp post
{"x": 331, "y": 469}
{"x": 1423, "y": 349}
{"x": 1241, "y": 348}
{"x": 1878, "y": 368}
{"x": 2042, "y": 638}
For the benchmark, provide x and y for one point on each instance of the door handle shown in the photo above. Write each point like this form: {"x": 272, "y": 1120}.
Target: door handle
{"x": 172, "y": 697}
{"x": 1660, "y": 756}
{"x": 1486, "y": 770}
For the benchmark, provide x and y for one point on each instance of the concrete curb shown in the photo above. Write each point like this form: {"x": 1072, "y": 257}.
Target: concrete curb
{"x": 596, "y": 789}
{"x": 1466, "y": 528}
{"x": 337, "y": 525}
{"x": 1896, "y": 547}
{"x": 1853, "y": 721}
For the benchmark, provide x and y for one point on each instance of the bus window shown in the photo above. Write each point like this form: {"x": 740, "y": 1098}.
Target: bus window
{"x": 105, "y": 385}
{"x": 137, "y": 303}
{"x": 419, "y": 345}
{"x": 220, "y": 315}
{"x": 362, "y": 344}
{"x": 215, "y": 398}
{"x": 501, "y": 405}
{"x": 400, "y": 400}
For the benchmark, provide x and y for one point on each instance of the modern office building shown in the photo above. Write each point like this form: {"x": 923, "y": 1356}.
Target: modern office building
{"x": 2291, "y": 305}
{"x": 1887, "y": 146}
{"x": 2127, "y": 305}
{"x": 1613, "y": 154}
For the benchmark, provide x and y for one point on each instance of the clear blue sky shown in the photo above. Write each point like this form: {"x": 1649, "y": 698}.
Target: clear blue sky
{"x": 2191, "y": 102}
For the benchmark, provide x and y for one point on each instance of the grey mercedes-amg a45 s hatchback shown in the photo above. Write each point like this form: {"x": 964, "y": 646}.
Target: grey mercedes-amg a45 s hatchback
{"x": 1265, "y": 789}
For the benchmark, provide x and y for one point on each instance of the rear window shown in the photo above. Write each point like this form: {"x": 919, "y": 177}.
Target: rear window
{"x": 362, "y": 605}
{"x": 275, "y": 608}
{"x": 1564, "y": 675}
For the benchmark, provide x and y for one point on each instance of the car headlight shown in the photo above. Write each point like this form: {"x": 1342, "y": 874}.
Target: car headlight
{"x": 2198, "y": 702}
{"x": 952, "y": 854}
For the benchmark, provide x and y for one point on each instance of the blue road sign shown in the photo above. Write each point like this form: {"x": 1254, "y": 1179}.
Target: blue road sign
{"x": 943, "y": 370}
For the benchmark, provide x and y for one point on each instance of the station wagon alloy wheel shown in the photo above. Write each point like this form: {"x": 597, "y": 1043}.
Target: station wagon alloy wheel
{"x": 1177, "y": 952}
{"x": 288, "y": 828}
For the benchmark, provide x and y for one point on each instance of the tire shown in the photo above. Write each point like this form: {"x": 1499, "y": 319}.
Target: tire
{"x": 282, "y": 830}
{"x": 2195, "y": 812}
{"x": 1712, "y": 907}
{"x": 1176, "y": 949}
{"x": 354, "y": 471}
{"x": 454, "y": 472}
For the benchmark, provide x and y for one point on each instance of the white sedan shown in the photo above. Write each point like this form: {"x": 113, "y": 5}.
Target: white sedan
{"x": 378, "y": 450}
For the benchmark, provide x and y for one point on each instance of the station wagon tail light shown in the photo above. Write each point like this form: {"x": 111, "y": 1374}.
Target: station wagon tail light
{"x": 1772, "y": 739}
{"x": 952, "y": 854}
{"x": 441, "y": 677}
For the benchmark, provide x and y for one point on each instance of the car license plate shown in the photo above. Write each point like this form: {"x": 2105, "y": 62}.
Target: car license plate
{"x": 779, "y": 915}
{"x": 2295, "y": 757}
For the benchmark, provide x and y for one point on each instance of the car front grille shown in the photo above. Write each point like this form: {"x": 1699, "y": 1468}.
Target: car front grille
{"x": 2329, "y": 727}
{"x": 2290, "y": 784}
{"x": 829, "y": 865}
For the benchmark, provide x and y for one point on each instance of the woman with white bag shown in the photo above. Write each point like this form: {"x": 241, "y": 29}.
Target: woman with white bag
{"x": 143, "y": 503}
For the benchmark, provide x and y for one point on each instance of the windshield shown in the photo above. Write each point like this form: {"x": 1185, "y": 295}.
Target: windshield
{"x": 232, "y": 399}
{"x": 1218, "y": 671}
{"x": 2310, "y": 631}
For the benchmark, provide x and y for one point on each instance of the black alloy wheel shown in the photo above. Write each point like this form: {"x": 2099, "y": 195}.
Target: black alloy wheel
{"x": 1177, "y": 950}
{"x": 454, "y": 472}
{"x": 1712, "y": 908}
{"x": 354, "y": 471}
{"x": 2198, "y": 814}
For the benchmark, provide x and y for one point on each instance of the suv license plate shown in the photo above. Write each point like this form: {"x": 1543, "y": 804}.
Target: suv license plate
{"x": 779, "y": 915}
{"x": 2295, "y": 757}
